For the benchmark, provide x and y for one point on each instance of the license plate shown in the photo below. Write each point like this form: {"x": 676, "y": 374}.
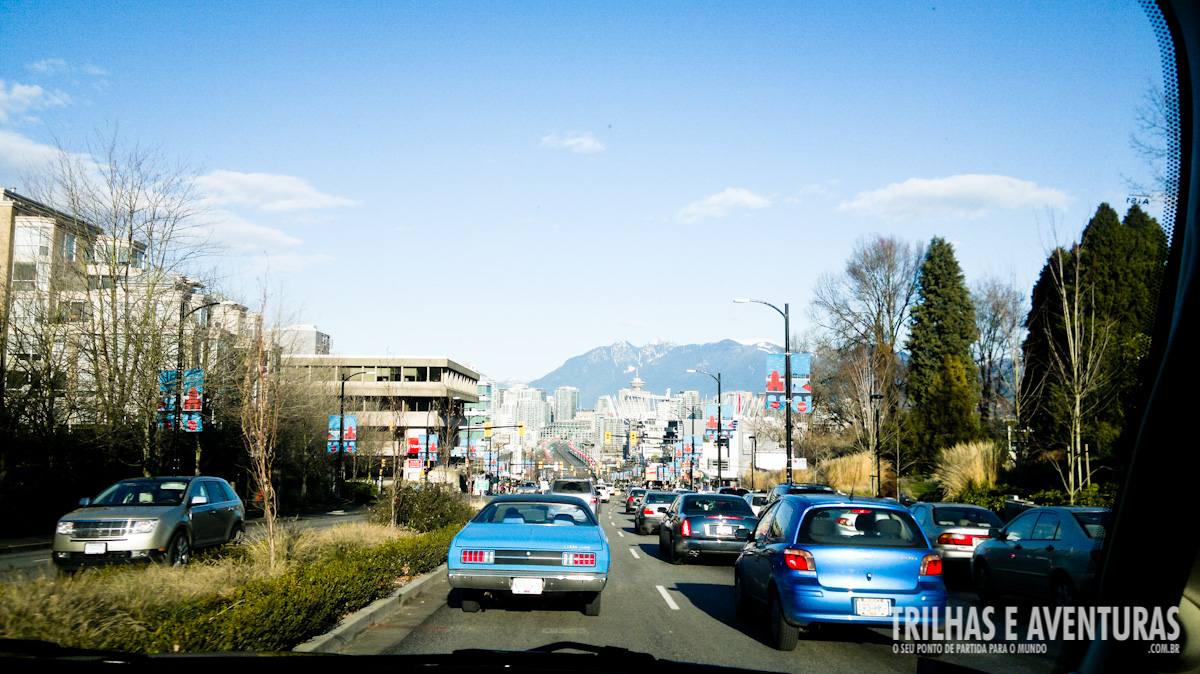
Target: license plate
{"x": 527, "y": 585}
{"x": 724, "y": 530}
{"x": 95, "y": 548}
{"x": 872, "y": 607}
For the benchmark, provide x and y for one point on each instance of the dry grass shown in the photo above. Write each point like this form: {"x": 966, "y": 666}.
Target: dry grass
{"x": 764, "y": 480}
{"x": 964, "y": 464}
{"x": 84, "y": 608}
{"x": 851, "y": 473}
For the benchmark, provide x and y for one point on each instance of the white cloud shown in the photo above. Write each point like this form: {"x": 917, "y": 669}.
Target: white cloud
{"x": 266, "y": 191}
{"x": 579, "y": 143}
{"x": 288, "y": 263}
{"x": 237, "y": 236}
{"x": 956, "y": 197}
{"x": 722, "y": 204}
{"x": 19, "y": 98}
{"x": 18, "y": 154}
{"x": 49, "y": 66}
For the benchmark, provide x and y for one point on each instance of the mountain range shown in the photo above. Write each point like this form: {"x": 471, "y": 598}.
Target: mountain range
{"x": 661, "y": 365}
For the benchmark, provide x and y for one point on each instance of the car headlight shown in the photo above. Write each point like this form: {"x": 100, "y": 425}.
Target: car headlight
{"x": 65, "y": 528}
{"x": 142, "y": 526}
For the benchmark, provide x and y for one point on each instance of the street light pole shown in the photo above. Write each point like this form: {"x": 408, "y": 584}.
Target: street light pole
{"x": 717, "y": 377}
{"x": 787, "y": 384}
{"x": 179, "y": 377}
{"x": 753, "y": 451}
{"x": 337, "y": 476}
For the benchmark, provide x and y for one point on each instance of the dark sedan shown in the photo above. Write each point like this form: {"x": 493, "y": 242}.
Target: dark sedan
{"x": 697, "y": 524}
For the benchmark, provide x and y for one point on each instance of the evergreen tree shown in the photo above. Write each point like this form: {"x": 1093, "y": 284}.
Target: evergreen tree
{"x": 943, "y": 321}
{"x": 946, "y": 417}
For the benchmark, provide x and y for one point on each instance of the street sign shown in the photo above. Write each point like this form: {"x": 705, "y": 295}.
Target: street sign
{"x": 799, "y": 463}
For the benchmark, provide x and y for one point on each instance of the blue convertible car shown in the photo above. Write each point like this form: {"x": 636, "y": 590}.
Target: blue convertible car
{"x": 525, "y": 544}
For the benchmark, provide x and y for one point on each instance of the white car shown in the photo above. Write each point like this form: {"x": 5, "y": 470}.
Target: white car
{"x": 604, "y": 492}
{"x": 756, "y": 499}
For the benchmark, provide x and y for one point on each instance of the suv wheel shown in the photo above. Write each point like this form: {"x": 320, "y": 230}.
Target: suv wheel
{"x": 179, "y": 550}
{"x": 238, "y": 535}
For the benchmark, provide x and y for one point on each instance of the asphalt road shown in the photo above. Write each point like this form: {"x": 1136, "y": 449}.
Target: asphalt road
{"x": 682, "y": 613}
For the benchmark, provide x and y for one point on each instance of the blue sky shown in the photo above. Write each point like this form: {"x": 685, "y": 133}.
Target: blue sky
{"x": 512, "y": 184}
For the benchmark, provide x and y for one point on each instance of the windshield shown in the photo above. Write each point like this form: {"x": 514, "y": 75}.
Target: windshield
{"x": 380, "y": 263}
{"x": 142, "y": 494}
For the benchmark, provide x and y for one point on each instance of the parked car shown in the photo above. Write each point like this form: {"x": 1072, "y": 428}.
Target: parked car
{"x": 756, "y": 499}
{"x": 530, "y": 545}
{"x": 955, "y": 528}
{"x": 798, "y": 488}
{"x": 805, "y": 571}
{"x": 139, "y": 519}
{"x": 651, "y": 508}
{"x": 1043, "y": 552}
{"x": 709, "y": 524}
{"x": 580, "y": 487}
{"x": 631, "y": 499}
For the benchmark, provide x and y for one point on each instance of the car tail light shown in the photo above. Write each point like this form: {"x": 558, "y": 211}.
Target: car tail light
{"x": 958, "y": 539}
{"x": 686, "y": 528}
{"x": 931, "y": 565}
{"x": 799, "y": 560}
{"x": 579, "y": 559}
{"x": 648, "y": 511}
{"x": 478, "y": 556}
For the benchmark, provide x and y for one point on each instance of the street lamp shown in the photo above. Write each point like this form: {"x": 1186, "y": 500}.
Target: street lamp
{"x": 337, "y": 476}
{"x": 753, "y": 451}
{"x": 787, "y": 385}
{"x": 179, "y": 377}
{"x": 875, "y": 398}
{"x": 716, "y": 377}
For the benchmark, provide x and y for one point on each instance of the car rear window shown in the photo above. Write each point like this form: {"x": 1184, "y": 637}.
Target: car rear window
{"x": 716, "y": 505}
{"x": 758, "y": 500}
{"x": 664, "y": 497}
{"x": 1093, "y": 522}
{"x": 533, "y": 512}
{"x": 860, "y": 527}
{"x": 944, "y": 516}
{"x": 573, "y": 487}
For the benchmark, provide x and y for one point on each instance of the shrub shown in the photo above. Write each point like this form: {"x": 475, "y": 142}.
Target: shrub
{"x": 966, "y": 464}
{"x": 360, "y": 492}
{"x": 1096, "y": 495}
{"x": 851, "y": 473}
{"x": 427, "y": 507}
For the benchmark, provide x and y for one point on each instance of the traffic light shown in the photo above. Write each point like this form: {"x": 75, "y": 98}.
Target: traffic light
{"x": 521, "y": 428}
{"x": 487, "y": 430}
{"x": 633, "y": 437}
{"x": 608, "y": 437}
{"x": 539, "y": 465}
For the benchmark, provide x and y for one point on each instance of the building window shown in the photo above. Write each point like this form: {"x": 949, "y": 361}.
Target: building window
{"x": 24, "y": 276}
{"x": 72, "y": 312}
{"x": 68, "y": 247}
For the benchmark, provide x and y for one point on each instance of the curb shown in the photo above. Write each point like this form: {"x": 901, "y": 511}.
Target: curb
{"x": 351, "y": 626}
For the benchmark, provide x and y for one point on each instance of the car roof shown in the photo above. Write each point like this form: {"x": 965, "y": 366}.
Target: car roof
{"x": 537, "y": 498}
{"x": 840, "y": 500}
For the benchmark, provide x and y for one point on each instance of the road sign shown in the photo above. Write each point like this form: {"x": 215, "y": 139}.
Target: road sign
{"x": 799, "y": 463}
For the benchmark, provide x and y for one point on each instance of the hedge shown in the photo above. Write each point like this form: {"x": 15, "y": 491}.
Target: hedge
{"x": 277, "y": 614}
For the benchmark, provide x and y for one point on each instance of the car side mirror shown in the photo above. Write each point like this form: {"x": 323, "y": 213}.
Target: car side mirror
{"x": 742, "y": 534}
{"x": 996, "y": 534}
{"x": 84, "y": 501}
{"x": 199, "y": 500}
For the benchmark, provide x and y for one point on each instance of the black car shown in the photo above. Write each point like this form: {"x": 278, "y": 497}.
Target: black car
{"x": 790, "y": 488}
{"x": 697, "y": 524}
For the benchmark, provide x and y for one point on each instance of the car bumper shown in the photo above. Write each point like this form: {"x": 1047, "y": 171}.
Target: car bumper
{"x": 712, "y": 546}
{"x": 807, "y": 602}
{"x": 72, "y": 553}
{"x": 555, "y": 581}
{"x": 954, "y": 552}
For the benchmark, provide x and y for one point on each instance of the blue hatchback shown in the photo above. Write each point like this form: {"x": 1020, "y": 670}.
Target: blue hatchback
{"x": 817, "y": 559}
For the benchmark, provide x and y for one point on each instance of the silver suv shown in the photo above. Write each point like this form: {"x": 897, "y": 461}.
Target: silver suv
{"x": 578, "y": 487}
{"x": 162, "y": 518}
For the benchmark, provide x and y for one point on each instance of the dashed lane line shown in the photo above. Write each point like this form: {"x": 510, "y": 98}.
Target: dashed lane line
{"x": 670, "y": 602}
{"x": 634, "y": 553}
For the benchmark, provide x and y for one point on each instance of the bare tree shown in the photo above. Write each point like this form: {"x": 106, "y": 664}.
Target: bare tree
{"x": 260, "y": 409}
{"x": 999, "y": 311}
{"x": 1156, "y": 141}
{"x": 126, "y": 277}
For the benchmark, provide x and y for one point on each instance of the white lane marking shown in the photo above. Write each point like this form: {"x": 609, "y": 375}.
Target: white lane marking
{"x": 621, "y": 534}
{"x": 670, "y": 602}
{"x": 634, "y": 553}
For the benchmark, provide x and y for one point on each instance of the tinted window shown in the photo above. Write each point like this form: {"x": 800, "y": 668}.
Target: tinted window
{"x": 855, "y": 526}
{"x": 764, "y": 524}
{"x": 573, "y": 487}
{"x": 716, "y": 505}
{"x": 216, "y": 492}
{"x": 950, "y": 516}
{"x": 783, "y": 518}
{"x": 1021, "y": 528}
{"x": 1093, "y": 522}
{"x": 1046, "y": 528}
{"x": 532, "y": 512}
{"x": 660, "y": 497}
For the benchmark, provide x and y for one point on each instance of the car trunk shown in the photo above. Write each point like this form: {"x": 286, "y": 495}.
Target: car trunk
{"x": 856, "y": 568}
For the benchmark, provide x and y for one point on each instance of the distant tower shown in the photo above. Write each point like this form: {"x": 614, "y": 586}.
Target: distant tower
{"x": 637, "y": 382}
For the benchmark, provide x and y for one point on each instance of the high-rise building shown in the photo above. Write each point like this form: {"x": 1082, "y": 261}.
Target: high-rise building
{"x": 566, "y": 402}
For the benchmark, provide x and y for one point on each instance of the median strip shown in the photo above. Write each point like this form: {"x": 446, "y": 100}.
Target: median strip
{"x": 670, "y": 602}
